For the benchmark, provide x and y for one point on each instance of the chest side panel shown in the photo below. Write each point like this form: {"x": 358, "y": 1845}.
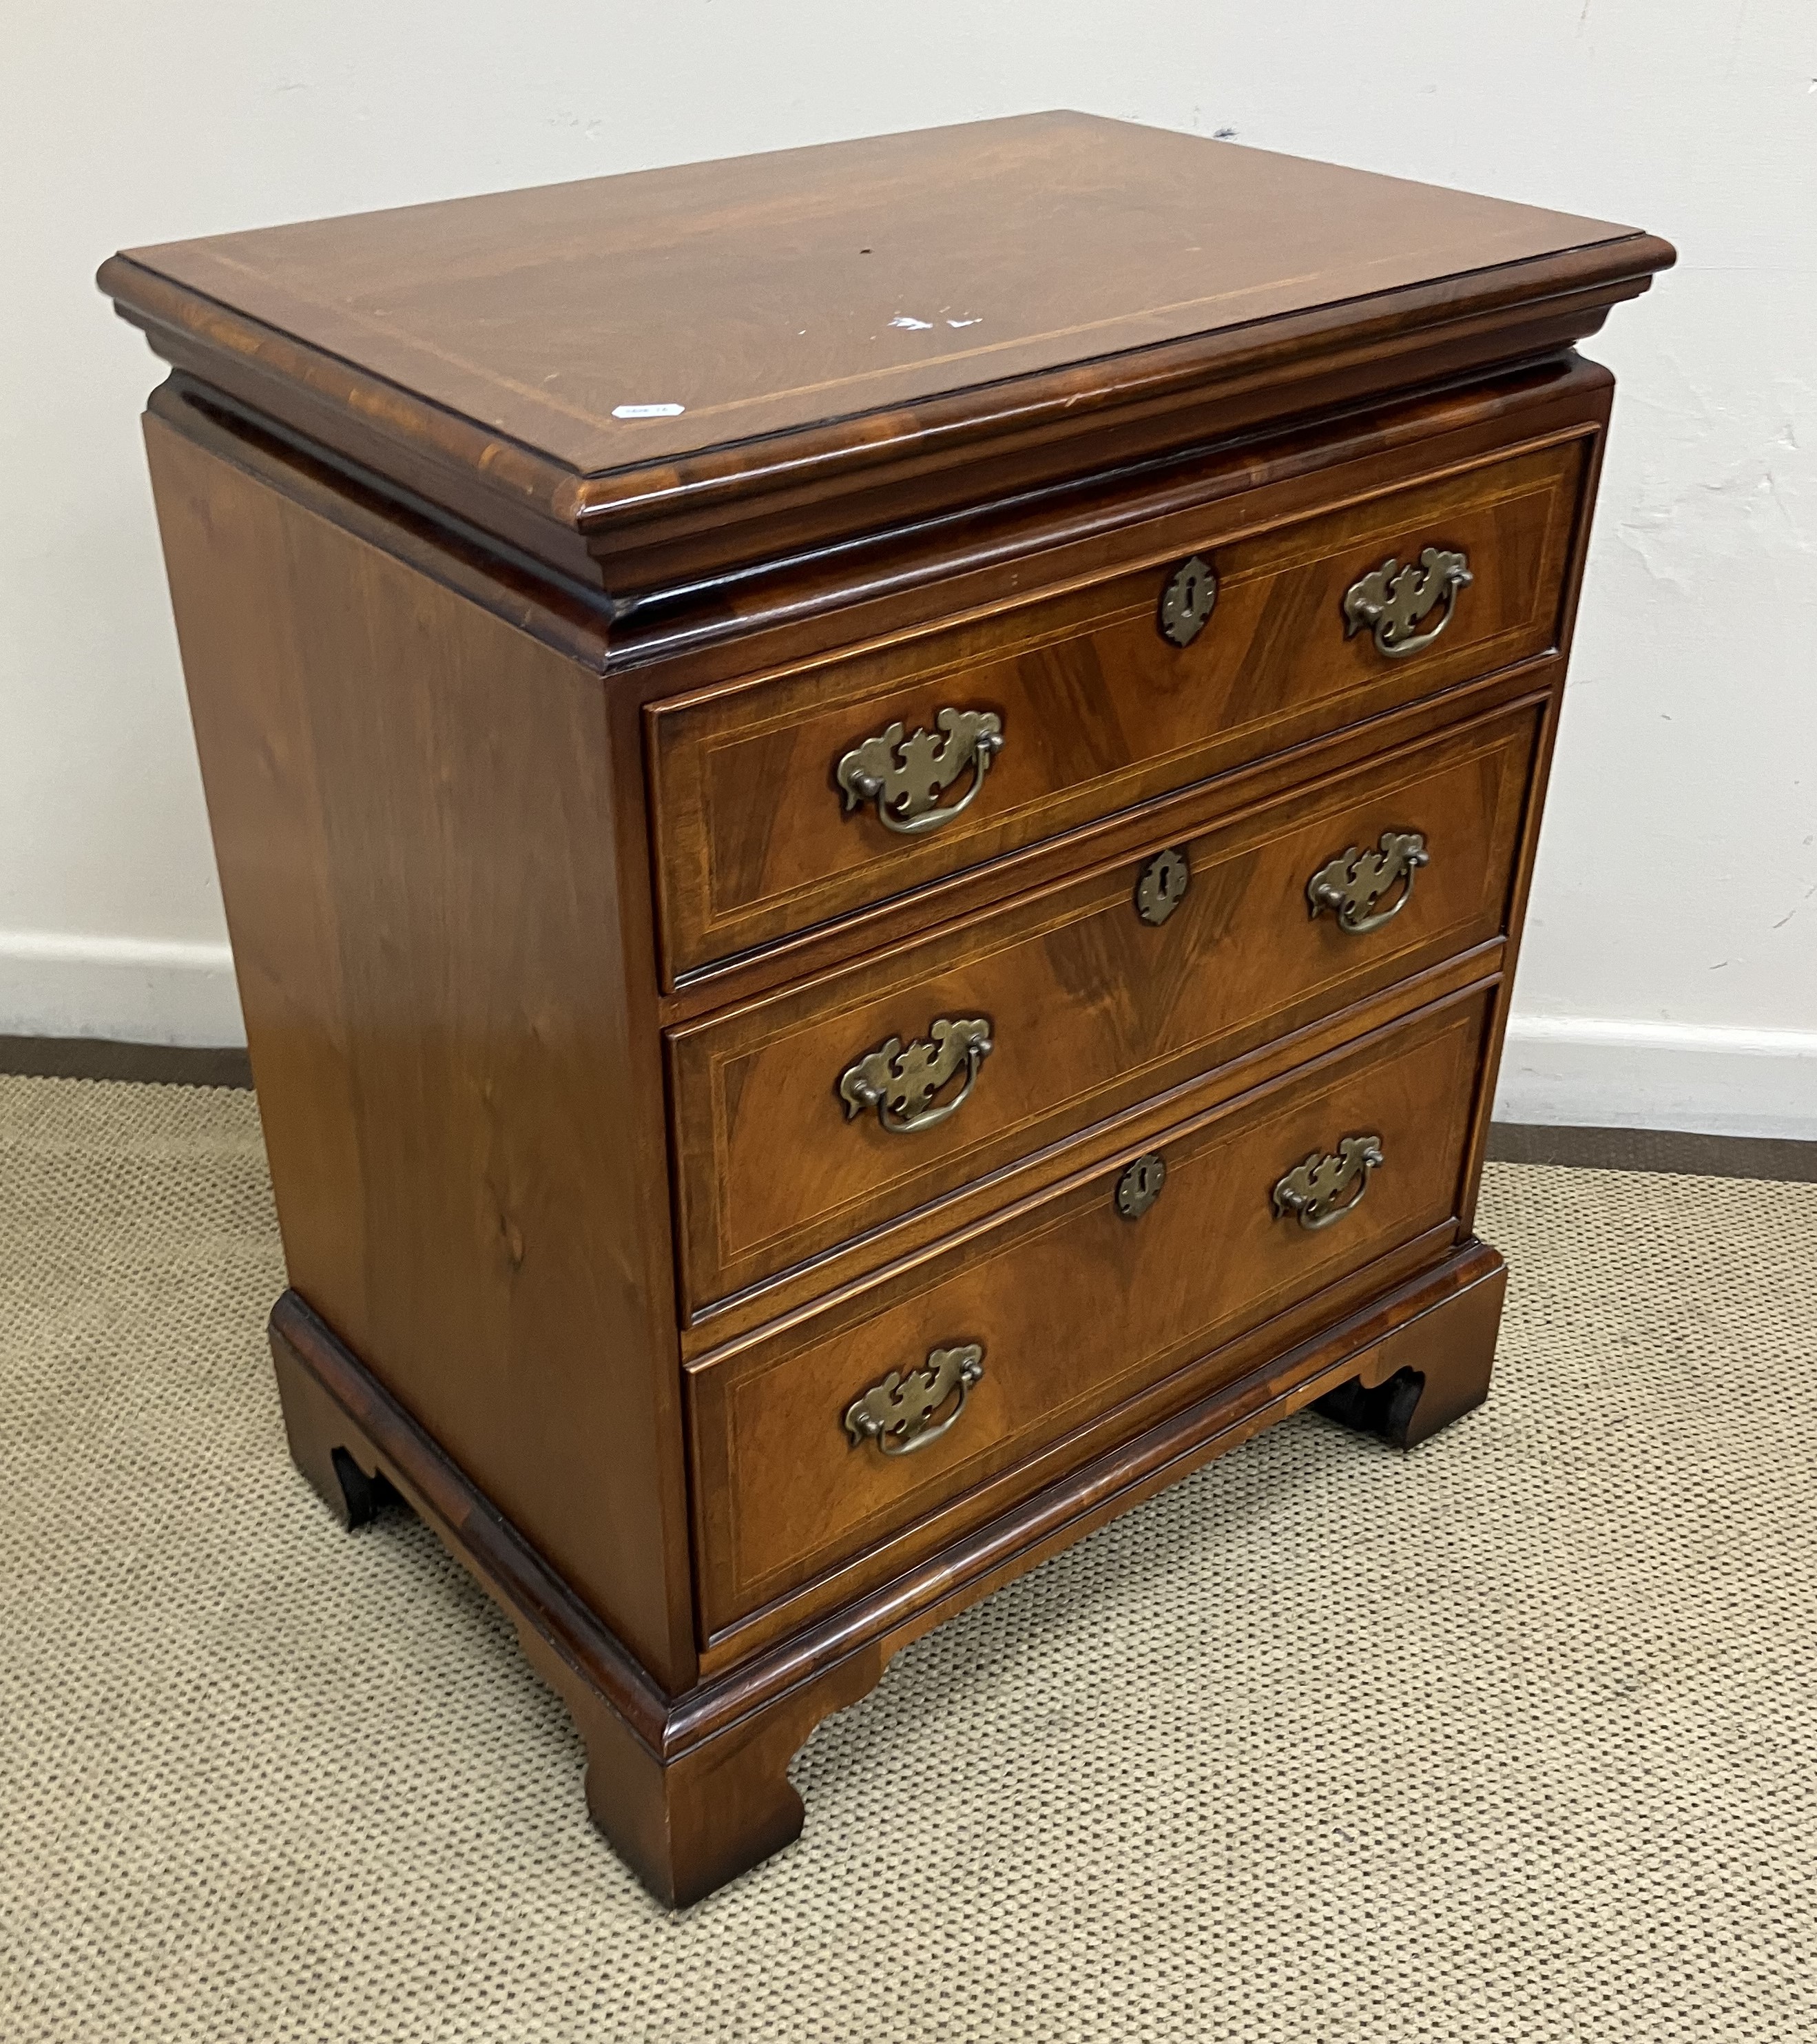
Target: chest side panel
{"x": 413, "y": 813}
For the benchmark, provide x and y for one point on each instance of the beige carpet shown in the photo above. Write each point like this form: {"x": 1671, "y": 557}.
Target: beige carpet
{"x": 1512, "y": 1739}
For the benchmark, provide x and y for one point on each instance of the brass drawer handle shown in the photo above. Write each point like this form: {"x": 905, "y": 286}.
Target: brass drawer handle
{"x": 906, "y": 776}
{"x": 1324, "y": 1189}
{"x": 899, "y": 1083}
{"x": 1351, "y": 884}
{"x": 1391, "y": 600}
{"x": 901, "y": 1409}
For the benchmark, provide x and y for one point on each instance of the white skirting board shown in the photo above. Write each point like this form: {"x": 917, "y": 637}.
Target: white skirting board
{"x": 1592, "y": 1072}
{"x": 1581, "y": 1071}
{"x": 129, "y": 989}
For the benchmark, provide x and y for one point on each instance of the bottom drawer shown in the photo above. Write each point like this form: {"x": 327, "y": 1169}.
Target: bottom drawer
{"x": 841, "y": 1430}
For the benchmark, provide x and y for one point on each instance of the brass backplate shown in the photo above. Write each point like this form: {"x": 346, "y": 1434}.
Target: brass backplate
{"x": 906, "y": 773}
{"x": 898, "y": 1414}
{"x": 1324, "y": 1188}
{"x": 1390, "y": 601}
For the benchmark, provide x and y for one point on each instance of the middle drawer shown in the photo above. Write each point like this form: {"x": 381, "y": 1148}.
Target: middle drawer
{"x": 836, "y": 1106}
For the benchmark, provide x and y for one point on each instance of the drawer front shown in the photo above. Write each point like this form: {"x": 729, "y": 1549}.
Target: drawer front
{"x": 1055, "y": 1313}
{"x": 1091, "y": 998}
{"x": 985, "y": 738}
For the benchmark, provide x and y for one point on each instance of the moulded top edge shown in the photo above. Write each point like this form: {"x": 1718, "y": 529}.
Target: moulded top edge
{"x": 610, "y": 341}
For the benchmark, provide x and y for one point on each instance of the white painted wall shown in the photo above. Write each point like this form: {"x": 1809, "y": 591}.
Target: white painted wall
{"x": 1670, "y": 976}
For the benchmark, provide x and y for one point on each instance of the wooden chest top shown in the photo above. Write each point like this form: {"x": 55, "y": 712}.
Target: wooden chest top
{"x": 675, "y": 353}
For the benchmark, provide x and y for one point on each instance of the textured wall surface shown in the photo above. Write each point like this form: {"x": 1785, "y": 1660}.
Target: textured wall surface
{"x": 1671, "y": 974}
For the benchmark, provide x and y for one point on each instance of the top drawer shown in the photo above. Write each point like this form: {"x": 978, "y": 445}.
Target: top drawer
{"x": 760, "y": 832}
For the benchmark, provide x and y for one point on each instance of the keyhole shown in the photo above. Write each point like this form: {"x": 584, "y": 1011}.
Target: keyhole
{"x": 1187, "y": 601}
{"x": 1163, "y": 885}
{"x": 1140, "y": 1185}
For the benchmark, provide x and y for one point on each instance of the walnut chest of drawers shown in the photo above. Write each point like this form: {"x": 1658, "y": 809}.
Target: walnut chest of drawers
{"x": 874, "y": 805}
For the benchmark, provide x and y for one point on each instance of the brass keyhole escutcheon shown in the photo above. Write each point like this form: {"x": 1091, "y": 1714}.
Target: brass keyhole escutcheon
{"x": 1140, "y": 1185}
{"x": 1163, "y": 885}
{"x": 1188, "y": 600}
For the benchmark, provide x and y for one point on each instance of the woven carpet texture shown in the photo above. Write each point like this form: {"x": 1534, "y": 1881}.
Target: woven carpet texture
{"x": 1514, "y": 1738}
